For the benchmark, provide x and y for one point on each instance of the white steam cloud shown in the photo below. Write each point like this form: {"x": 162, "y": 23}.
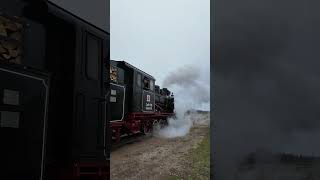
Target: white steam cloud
{"x": 191, "y": 92}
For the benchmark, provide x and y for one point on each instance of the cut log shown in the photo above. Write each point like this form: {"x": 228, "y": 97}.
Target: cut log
{"x": 3, "y": 31}
{"x": 11, "y": 26}
{"x": 2, "y": 50}
{"x": 16, "y": 35}
{"x": 13, "y": 53}
{"x": 19, "y": 26}
{"x": 16, "y": 60}
{"x": 9, "y": 44}
{"x": 6, "y": 56}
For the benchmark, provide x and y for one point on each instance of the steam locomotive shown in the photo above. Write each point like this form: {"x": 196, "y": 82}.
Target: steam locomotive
{"x": 54, "y": 61}
{"x": 136, "y": 103}
{"x": 58, "y": 108}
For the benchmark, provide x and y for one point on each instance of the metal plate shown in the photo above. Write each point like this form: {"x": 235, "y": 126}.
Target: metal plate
{"x": 148, "y": 101}
{"x": 9, "y": 119}
{"x": 11, "y": 97}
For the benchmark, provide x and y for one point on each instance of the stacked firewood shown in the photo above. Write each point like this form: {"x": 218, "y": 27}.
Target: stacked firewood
{"x": 11, "y": 32}
{"x": 113, "y": 74}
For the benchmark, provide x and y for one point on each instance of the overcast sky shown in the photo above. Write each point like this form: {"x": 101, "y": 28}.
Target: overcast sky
{"x": 160, "y": 36}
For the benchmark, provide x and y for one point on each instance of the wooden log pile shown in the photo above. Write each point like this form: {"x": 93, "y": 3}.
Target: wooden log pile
{"x": 113, "y": 74}
{"x": 11, "y": 37}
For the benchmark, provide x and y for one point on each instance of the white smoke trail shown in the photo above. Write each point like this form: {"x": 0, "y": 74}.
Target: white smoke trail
{"x": 190, "y": 92}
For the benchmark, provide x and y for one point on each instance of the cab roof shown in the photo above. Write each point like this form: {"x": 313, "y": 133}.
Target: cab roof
{"x": 95, "y": 12}
{"x": 134, "y": 68}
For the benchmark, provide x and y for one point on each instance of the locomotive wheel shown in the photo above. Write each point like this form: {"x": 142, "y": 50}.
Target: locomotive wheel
{"x": 146, "y": 129}
{"x": 155, "y": 125}
{"x": 163, "y": 123}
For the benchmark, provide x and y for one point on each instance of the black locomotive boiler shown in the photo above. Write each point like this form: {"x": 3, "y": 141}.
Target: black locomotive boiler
{"x": 136, "y": 103}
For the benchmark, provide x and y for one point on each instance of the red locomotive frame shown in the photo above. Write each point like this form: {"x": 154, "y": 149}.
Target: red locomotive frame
{"x": 139, "y": 122}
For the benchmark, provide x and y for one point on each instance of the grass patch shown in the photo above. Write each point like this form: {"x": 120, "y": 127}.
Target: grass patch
{"x": 200, "y": 158}
{"x": 198, "y": 161}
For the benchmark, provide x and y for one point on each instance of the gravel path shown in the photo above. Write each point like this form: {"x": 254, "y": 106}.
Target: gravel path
{"x": 155, "y": 158}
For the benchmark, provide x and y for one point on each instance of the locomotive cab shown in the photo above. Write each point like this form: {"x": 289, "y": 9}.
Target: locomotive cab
{"x": 117, "y": 93}
{"x": 52, "y": 68}
{"x": 135, "y": 90}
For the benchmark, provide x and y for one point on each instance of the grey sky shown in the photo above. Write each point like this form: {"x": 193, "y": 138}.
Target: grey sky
{"x": 160, "y": 36}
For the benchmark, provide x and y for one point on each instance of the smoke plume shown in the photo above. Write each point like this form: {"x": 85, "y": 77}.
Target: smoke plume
{"x": 190, "y": 92}
{"x": 266, "y": 57}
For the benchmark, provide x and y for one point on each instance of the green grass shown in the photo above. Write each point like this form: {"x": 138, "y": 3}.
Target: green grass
{"x": 199, "y": 162}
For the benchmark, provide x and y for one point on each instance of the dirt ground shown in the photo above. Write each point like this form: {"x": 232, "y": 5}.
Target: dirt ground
{"x": 156, "y": 158}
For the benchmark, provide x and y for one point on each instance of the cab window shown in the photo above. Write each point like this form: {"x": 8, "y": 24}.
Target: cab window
{"x": 146, "y": 83}
{"x": 151, "y": 85}
{"x": 139, "y": 80}
{"x": 93, "y": 56}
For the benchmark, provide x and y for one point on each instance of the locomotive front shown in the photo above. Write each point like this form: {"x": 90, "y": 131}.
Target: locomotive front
{"x": 164, "y": 100}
